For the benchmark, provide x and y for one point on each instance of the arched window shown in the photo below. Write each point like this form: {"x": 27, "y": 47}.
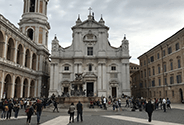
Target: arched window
{"x": 34, "y": 62}
{"x": 10, "y": 51}
{"x": 32, "y": 6}
{"x": 1, "y": 44}
{"x": 20, "y": 54}
{"x": 30, "y": 33}
{"x": 27, "y": 58}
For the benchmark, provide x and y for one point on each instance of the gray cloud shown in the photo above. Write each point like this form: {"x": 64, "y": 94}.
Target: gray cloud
{"x": 145, "y": 22}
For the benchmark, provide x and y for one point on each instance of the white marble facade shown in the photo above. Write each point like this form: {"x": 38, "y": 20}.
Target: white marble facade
{"x": 104, "y": 69}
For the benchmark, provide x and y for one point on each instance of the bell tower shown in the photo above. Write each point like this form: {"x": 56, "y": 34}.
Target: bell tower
{"x": 34, "y": 21}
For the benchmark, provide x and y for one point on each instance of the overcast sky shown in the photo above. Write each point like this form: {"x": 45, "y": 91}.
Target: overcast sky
{"x": 146, "y": 23}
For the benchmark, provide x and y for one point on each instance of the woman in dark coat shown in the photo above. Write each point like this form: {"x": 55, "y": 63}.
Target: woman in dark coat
{"x": 149, "y": 110}
{"x": 29, "y": 112}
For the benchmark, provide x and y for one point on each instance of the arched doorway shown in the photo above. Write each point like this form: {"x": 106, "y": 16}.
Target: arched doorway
{"x": 1, "y": 44}
{"x": 34, "y": 62}
{"x": 10, "y": 50}
{"x": 27, "y": 58}
{"x": 32, "y": 88}
{"x": 181, "y": 94}
{"x": 25, "y": 88}
{"x": 7, "y": 87}
{"x": 17, "y": 88}
{"x": 20, "y": 53}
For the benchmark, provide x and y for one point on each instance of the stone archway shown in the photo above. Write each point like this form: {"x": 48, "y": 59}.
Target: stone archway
{"x": 17, "y": 89}
{"x": 32, "y": 88}
{"x": 20, "y": 53}
{"x": 34, "y": 62}
{"x": 7, "y": 87}
{"x": 25, "y": 88}
{"x": 1, "y": 44}
{"x": 181, "y": 94}
{"x": 10, "y": 50}
{"x": 27, "y": 58}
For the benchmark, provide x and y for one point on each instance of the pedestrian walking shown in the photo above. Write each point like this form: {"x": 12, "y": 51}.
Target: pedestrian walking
{"x": 55, "y": 106}
{"x": 168, "y": 104}
{"x": 71, "y": 112}
{"x": 127, "y": 103}
{"x": 164, "y": 104}
{"x": 79, "y": 111}
{"x": 4, "y": 110}
{"x": 29, "y": 112}
{"x": 38, "y": 108}
{"x": 104, "y": 103}
{"x": 16, "y": 110}
{"x": 149, "y": 110}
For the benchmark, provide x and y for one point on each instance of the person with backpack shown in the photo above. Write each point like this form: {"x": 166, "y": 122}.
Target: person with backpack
{"x": 149, "y": 109}
{"x": 29, "y": 112}
{"x": 168, "y": 104}
{"x": 4, "y": 110}
{"x": 38, "y": 108}
{"x": 10, "y": 107}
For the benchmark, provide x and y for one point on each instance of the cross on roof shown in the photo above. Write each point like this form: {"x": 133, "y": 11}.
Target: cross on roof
{"x": 90, "y": 10}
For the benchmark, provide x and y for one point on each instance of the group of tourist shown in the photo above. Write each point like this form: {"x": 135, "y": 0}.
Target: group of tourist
{"x": 30, "y": 106}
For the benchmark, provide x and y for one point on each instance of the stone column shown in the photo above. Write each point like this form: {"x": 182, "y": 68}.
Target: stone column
{"x": 30, "y": 63}
{"x": 104, "y": 77}
{"x": 21, "y": 89}
{"x": 2, "y": 85}
{"x": 51, "y": 77}
{"x": 37, "y": 62}
{"x": 5, "y": 46}
{"x": 15, "y": 55}
{"x": 35, "y": 88}
{"x": 95, "y": 88}
{"x": 23, "y": 62}
{"x": 41, "y": 63}
{"x": 128, "y": 80}
{"x": 123, "y": 77}
{"x": 99, "y": 77}
{"x": 39, "y": 86}
{"x": 13, "y": 87}
{"x": 56, "y": 76}
{"x": 29, "y": 84}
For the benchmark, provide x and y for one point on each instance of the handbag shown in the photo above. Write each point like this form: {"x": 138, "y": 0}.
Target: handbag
{"x": 69, "y": 111}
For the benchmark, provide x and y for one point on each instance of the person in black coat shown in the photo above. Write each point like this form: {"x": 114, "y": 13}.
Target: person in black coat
{"x": 149, "y": 110}
{"x": 79, "y": 111}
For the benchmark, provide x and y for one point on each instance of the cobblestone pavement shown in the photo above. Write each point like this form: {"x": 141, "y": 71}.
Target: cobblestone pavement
{"x": 97, "y": 116}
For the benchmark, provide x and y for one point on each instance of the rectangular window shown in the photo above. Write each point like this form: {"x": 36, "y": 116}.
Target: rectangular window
{"x": 153, "y": 83}
{"x": 165, "y": 93}
{"x": 153, "y": 71}
{"x": 149, "y": 72}
{"x": 165, "y": 68}
{"x": 90, "y": 51}
{"x": 158, "y": 55}
{"x": 113, "y": 68}
{"x": 169, "y": 50}
{"x": 178, "y": 77}
{"x": 159, "y": 82}
{"x": 145, "y": 83}
{"x": 152, "y": 58}
{"x": 144, "y": 73}
{"x": 66, "y": 68}
{"x": 160, "y": 93}
{"x": 173, "y": 93}
{"x": 148, "y": 60}
{"x": 171, "y": 80}
{"x": 177, "y": 46}
{"x": 179, "y": 66}
{"x": 158, "y": 69}
{"x": 163, "y": 52}
{"x": 165, "y": 81}
{"x": 171, "y": 65}
{"x": 144, "y": 62}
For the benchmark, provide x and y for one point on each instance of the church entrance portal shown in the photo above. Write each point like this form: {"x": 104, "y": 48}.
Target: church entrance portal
{"x": 181, "y": 94}
{"x": 90, "y": 88}
{"x": 113, "y": 91}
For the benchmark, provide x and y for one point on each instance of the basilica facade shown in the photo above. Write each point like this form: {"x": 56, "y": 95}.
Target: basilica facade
{"x": 24, "y": 63}
{"x": 90, "y": 66}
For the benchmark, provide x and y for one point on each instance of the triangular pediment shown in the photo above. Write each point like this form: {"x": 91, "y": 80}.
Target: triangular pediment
{"x": 90, "y": 24}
